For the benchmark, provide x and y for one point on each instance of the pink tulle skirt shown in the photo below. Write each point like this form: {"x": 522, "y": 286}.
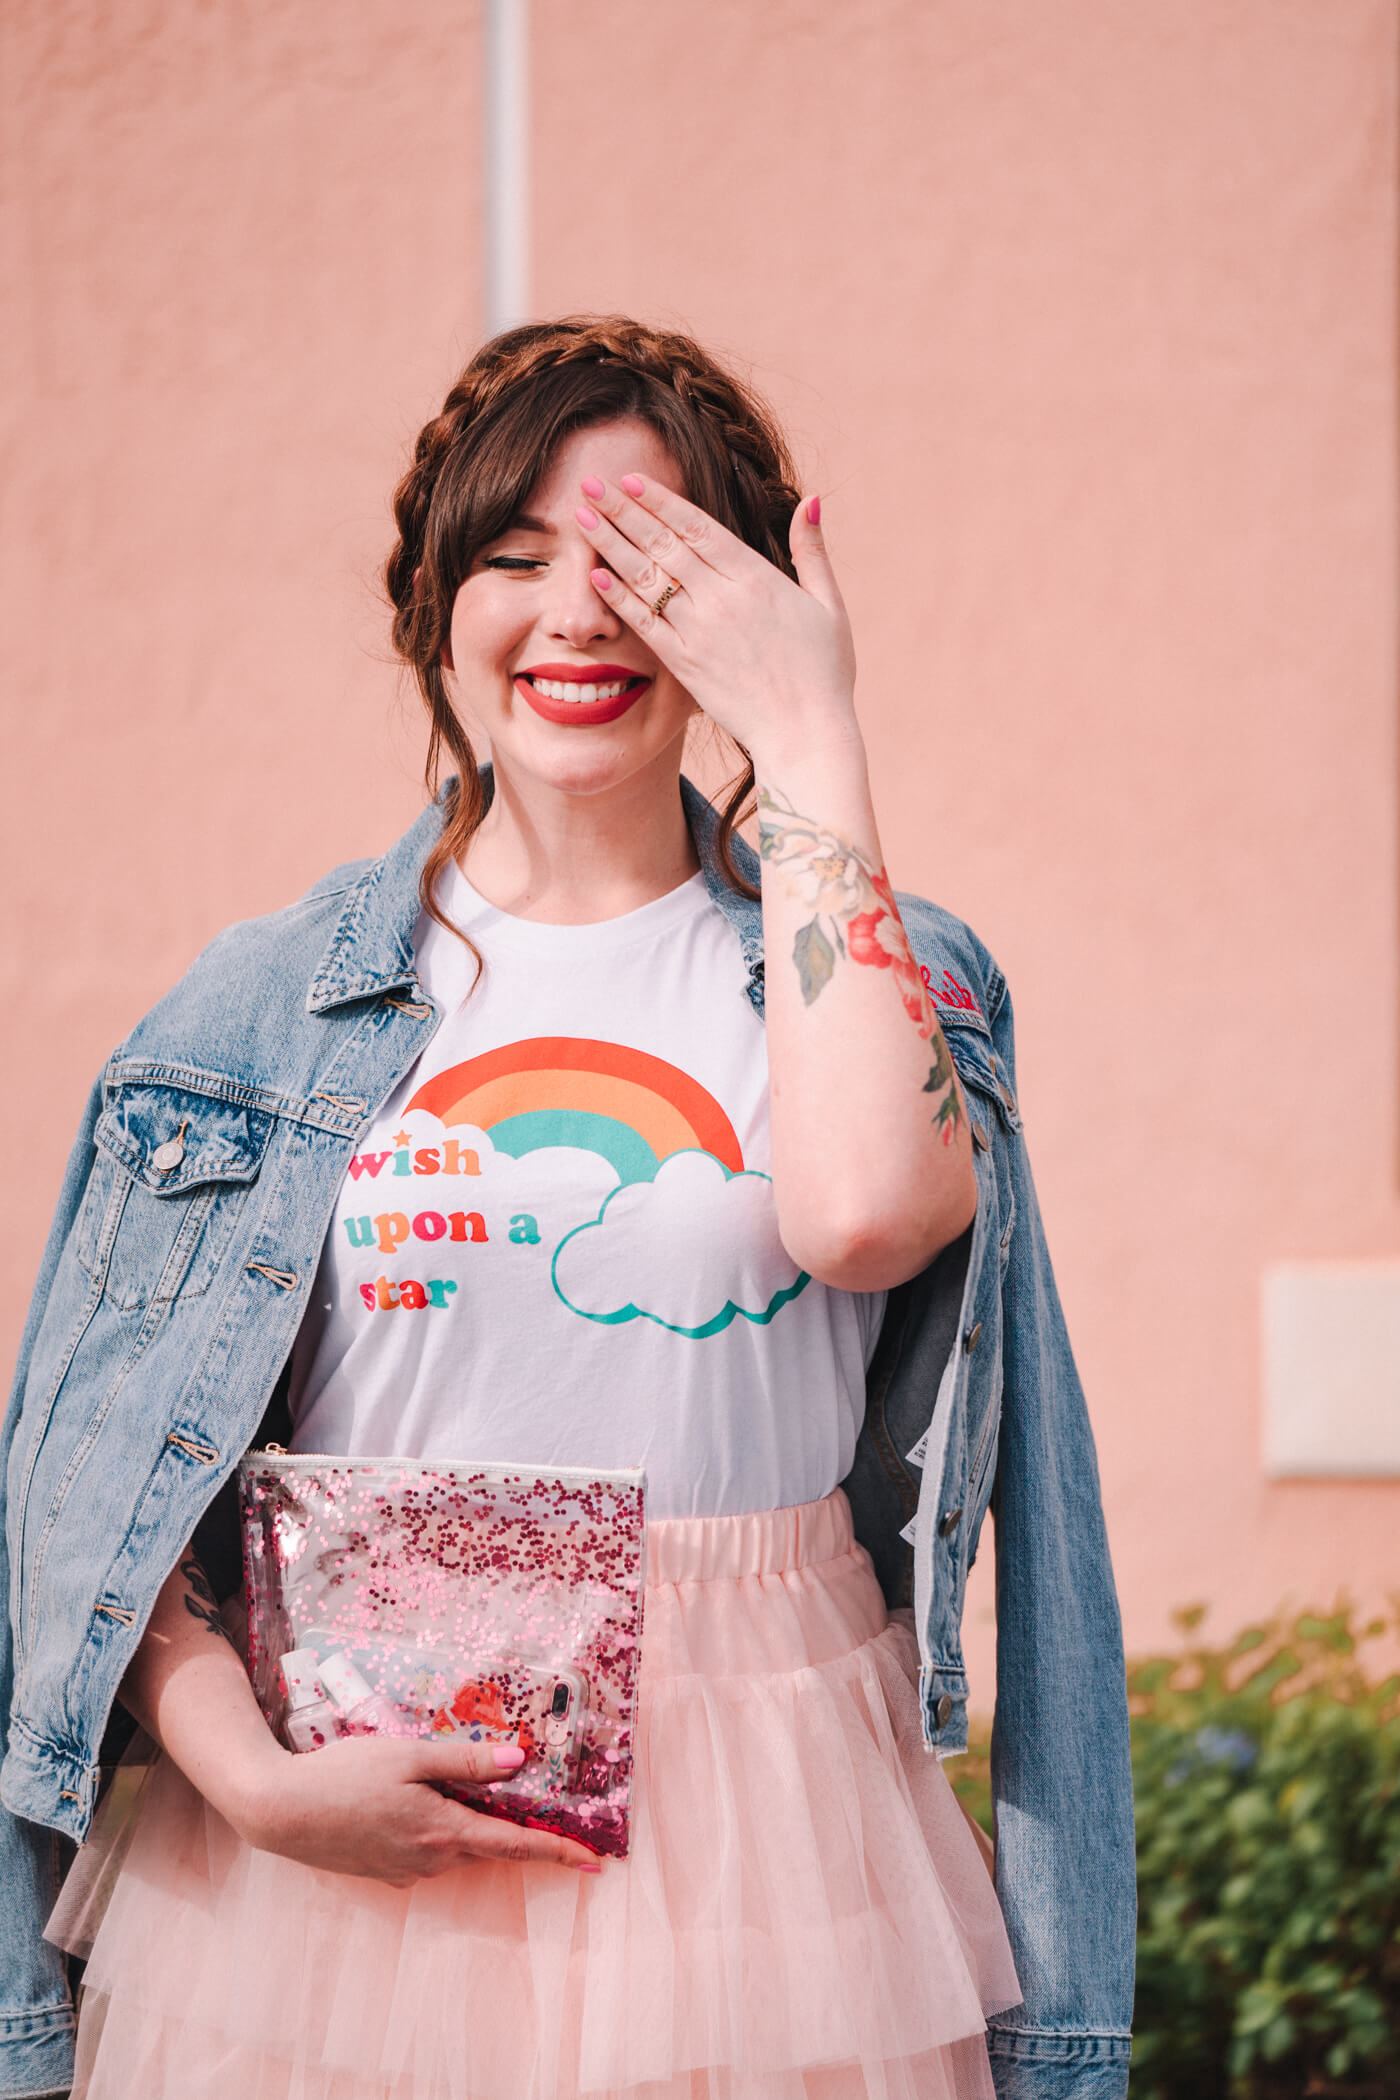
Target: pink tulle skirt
{"x": 805, "y": 1914}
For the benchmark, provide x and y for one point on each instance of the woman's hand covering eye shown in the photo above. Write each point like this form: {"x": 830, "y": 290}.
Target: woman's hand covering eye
{"x": 770, "y": 660}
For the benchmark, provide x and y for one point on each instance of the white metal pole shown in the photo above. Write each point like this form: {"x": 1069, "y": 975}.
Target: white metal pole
{"x": 506, "y": 173}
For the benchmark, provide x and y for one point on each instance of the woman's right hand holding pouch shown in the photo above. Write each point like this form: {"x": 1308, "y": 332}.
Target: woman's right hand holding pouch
{"x": 373, "y": 1806}
{"x": 363, "y": 1805}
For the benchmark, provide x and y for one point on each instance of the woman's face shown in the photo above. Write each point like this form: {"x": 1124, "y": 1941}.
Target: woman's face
{"x": 532, "y": 639}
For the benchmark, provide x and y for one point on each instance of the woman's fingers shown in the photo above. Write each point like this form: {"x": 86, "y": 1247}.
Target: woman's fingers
{"x": 654, "y": 628}
{"x": 809, "y": 555}
{"x": 457, "y": 1762}
{"x": 491, "y": 1837}
{"x": 675, "y": 534}
{"x": 643, "y": 572}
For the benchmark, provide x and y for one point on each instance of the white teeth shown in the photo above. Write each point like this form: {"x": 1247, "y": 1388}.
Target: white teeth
{"x": 556, "y": 689}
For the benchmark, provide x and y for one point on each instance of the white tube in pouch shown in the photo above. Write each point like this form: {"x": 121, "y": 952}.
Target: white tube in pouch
{"x": 311, "y": 1721}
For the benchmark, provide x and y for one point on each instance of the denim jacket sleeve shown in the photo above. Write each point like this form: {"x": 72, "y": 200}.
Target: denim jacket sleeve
{"x": 1062, "y": 1796}
{"x": 36, "y": 2010}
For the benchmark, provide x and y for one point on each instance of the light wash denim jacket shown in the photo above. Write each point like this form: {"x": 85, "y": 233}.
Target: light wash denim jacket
{"x": 172, "y": 1287}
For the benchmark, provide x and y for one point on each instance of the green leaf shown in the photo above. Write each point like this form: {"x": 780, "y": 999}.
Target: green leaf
{"x": 815, "y": 959}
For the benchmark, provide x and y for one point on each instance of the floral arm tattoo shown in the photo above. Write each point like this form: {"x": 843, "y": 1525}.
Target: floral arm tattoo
{"x": 855, "y": 919}
{"x": 200, "y": 1601}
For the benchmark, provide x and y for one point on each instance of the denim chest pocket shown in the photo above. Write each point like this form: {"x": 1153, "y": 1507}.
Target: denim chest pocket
{"x": 172, "y": 1167}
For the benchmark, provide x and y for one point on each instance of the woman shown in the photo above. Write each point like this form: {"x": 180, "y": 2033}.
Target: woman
{"x": 704, "y": 1206}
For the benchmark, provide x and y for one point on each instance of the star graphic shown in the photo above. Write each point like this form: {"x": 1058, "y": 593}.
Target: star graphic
{"x": 403, "y": 1138}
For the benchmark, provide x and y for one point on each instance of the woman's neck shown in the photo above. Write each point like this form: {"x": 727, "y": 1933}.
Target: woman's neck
{"x": 570, "y": 859}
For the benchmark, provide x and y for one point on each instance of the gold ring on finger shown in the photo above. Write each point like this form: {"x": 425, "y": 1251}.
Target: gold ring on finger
{"x": 660, "y": 606}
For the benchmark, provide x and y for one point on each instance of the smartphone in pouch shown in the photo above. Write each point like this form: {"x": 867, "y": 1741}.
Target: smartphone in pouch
{"x": 543, "y": 1711}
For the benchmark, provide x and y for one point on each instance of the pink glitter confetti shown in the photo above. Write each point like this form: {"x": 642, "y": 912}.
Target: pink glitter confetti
{"x": 499, "y": 1602}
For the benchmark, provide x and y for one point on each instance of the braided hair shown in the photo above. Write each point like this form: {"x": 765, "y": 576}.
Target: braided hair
{"x": 523, "y": 393}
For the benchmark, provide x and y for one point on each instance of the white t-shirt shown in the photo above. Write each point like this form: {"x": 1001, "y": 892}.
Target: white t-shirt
{"x": 558, "y": 1242}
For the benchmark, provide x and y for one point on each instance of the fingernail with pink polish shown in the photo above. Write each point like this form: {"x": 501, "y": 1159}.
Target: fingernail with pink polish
{"x": 590, "y": 1866}
{"x": 814, "y": 511}
{"x": 587, "y": 518}
{"x": 633, "y": 483}
{"x": 508, "y": 1757}
{"x": 601, "y": 578}
{"x": 592, "y": 486}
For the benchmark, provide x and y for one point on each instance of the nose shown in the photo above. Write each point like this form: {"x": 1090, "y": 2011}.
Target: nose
{"x": 574, "y": 612}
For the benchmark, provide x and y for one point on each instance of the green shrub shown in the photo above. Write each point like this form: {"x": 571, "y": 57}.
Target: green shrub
{"x": 1267, "y": 1775}
{"x": 1268, "y": 1834}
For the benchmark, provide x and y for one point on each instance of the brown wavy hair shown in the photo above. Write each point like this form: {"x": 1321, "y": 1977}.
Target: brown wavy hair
{"x": 474, "y": 465}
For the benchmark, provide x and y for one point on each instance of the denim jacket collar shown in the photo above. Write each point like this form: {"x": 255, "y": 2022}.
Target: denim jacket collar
{"x": 371, "y": 950}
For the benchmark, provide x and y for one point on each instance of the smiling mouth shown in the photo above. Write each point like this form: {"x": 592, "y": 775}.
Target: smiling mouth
{"x": 578, "y": 694}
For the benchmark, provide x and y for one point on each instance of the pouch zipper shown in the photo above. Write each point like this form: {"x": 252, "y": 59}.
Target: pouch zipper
{"x": 626, "y": 1476}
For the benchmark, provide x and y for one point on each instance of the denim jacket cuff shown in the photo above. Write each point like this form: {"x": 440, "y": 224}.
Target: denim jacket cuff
{"x": 47, "y": 1785}
{"x": 1032, "y": 2064}
{"x": 943, "y": 1705}
{"x": 36, "y": 2053}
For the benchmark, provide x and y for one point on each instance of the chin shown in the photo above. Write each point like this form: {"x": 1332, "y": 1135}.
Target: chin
{"x": 589, "y": 776}
{"x": 589, "y": 761}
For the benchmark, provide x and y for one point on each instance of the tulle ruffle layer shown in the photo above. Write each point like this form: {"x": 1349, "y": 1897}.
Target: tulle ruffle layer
{"x": 804, "y": 1916}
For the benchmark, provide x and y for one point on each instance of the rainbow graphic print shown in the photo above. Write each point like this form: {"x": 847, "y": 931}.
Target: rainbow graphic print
{"x": 677, "y": 1187}
{"x": 631, "y": 1109}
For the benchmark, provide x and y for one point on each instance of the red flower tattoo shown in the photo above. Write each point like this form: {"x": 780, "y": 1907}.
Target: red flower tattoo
{"x": 832, "y": 877}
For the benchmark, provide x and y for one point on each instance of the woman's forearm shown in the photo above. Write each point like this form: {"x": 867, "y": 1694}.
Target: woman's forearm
{"x": 189, "y": 1690}
{"x": 372, "y": 1807}
{"x": 872, "y": 1160}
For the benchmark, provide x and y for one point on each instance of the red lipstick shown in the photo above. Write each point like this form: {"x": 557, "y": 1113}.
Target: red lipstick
{"x": 581, "y": 714}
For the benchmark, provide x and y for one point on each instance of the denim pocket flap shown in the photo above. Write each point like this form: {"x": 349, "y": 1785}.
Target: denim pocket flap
{"x": 172, "y": 1139}
{"x": 980, "y": 1068}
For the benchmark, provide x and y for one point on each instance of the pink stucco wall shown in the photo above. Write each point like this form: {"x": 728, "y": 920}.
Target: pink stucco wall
{"x": 1083, "y": 319}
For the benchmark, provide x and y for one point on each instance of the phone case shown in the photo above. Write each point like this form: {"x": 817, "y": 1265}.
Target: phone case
{"x": 544, "y": 1711}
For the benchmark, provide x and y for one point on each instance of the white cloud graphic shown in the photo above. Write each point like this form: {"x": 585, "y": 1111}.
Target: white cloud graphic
{"x": 692, "y": 1249}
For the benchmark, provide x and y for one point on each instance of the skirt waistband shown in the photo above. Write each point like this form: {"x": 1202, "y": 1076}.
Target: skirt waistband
{"x": 759, "y": 1542}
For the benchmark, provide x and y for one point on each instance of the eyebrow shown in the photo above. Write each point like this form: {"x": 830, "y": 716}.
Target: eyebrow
{"x": 523, "y": 521}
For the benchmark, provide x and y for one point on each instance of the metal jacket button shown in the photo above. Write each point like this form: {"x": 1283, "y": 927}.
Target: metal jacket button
{"x": 942, "y": 1713}
{"x": 948, "y": 1522}
{"x": 169, "y": 1155}
{"x": 972, "y": 1338}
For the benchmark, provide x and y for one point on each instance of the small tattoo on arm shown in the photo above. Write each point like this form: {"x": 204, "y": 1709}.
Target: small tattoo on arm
{"x": 854, "y": 918}
{"x": 942, "y": 1079}
{"x": 200, "y": 1601}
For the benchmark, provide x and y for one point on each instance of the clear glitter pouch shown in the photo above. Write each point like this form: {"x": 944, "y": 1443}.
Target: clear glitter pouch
{"x": 503, "y": 1603}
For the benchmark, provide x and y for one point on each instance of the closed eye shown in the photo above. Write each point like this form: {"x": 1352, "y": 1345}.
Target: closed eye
{"x": 511, "y": 562}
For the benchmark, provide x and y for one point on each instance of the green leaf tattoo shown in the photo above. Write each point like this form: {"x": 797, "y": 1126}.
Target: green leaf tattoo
{"x": 941, "y": 1075}
{"x": 200, "y": 1601}
{"x": 815, "y": 959}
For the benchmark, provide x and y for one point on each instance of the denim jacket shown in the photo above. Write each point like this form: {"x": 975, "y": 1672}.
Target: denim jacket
{"x": 188, "y": 1232}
